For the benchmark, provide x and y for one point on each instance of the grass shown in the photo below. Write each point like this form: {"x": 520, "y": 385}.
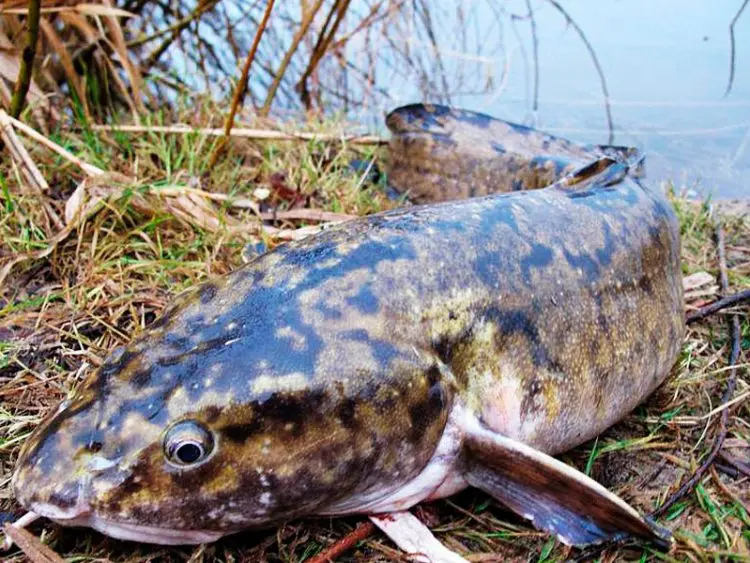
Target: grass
{"x": 157, "y": 233}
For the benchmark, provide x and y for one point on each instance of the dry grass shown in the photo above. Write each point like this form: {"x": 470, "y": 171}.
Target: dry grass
{"x": 147, "y": 229}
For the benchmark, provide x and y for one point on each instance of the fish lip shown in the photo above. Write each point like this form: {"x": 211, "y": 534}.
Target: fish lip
{"x": 80, "y": 510}
{"x": 81, "y": 515}
{"x": 129, "y": 531}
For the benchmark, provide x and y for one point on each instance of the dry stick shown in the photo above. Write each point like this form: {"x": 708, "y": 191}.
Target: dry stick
{"x": 307, "y": 19}
{"x": 535, "y": 42}
{"x": 174, "y": 28}
{"x": 321, "y": 48}
{"x": 246, "y": 132}
{"x": 90, "y": 169}
{"x": 421, "y": 9}
{"x": 156, "y": 54}
{"x": 730, "y": 83}
{"x": 599, "y": 70}
{"x": 27, "y": 60}
{"x": 241, "y": 88}
{"x": 731, "y": 383}
{"x": 31, "y": 546}
{"x": 28, "y": 168}
{"x": 361, "y": 532}
{"x": 20, "y": 155}
{"x": 718, "y": 305}
{"x": 724, "y": 489}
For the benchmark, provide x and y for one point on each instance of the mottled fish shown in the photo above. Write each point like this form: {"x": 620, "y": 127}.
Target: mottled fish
{"x": 392, "y": 359}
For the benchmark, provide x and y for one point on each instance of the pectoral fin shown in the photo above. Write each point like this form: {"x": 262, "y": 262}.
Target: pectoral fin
{"x": 554, "y": 496}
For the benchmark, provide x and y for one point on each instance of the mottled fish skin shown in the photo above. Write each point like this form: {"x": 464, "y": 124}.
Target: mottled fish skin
{"x": 326, "y": 369}
{"x": 438, "y": 153}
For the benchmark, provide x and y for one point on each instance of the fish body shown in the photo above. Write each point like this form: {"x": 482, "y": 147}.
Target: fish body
{"x": 389, "y": 360}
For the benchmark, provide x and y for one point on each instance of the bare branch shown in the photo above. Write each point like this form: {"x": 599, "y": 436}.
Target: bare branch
{"x": 599, "y": 70}
{"x": 732, "y": 47}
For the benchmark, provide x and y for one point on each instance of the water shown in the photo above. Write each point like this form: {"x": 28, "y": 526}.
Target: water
{"x": 666, "y": 63}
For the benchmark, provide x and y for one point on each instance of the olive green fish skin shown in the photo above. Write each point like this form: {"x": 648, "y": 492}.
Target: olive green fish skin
{"x": 327, "y": 368}
{"x": 440, "y": 154}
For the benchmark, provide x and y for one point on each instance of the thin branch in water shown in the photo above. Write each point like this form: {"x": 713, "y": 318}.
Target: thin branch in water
{"x": 599, "y": 70}
{"x": 23, "y": 82}
{"x": 734, "y": 355}
{"x": 429, "y": 28}
{"x": 535, "y": 42}
{"x": 730, "y": 83}
{"x": 241, "y": 88}
{"x": 718, "y": 305}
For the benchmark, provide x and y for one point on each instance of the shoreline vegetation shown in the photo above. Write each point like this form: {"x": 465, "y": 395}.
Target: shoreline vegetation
{"x": 100, "y": 226}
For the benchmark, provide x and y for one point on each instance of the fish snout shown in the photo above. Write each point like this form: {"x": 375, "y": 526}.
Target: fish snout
{"x": 60, "y": 498}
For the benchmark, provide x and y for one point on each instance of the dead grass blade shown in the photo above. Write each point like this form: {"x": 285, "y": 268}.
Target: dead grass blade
{"x": 58, "y": 46}
{"x": 307, "y": 215}
{"x": 90, "y": 169}
{"x": 105, "y": 10}
{"x": 244, "y": 132}
{"x": 121, "y": 48}
{"x": 20, "y": 155}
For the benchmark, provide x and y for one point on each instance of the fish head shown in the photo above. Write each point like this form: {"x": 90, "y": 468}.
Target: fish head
{"x": 217, "y": 420}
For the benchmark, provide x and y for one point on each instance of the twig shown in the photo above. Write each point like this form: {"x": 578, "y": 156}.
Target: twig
{"x": 34, "y": 549}
{"x": 90, "y": 169}
{"x": 27, "y": 60}
{"x": 535, "y": 42}
{"x": 307, "y": 19}
{"x": 22, "y": 522}
{"x": 321, "y": 48}
{"x": 599, "y": 70}
{"x": 718, "y": 305}
{"x": 156, "y": 54}
{"x": 241, "y": 88}
{"x": 730, "y": 83}
{"x": 361, "y": 532}
{"x": 20, "y": 155}
{"x": 28, "y": 167}
{"x": 743, "y": 468}
{"x": 259, "y": 134}
{"x": 306, "y": 215}
{"x": 724, "y": 489}
{"x": 688, "y": 486}
{"x": 174, "y": 28}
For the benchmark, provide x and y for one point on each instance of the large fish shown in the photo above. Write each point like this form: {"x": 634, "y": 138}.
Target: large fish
{"x": 393, "y": 359}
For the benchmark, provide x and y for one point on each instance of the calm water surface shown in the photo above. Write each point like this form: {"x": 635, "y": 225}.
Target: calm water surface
{"x": 666, "y": 63}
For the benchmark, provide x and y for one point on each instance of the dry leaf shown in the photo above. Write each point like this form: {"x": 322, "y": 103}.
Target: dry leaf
{"x": 102, "y": 10}
{"x": 74, "y": 205}
{"x": 696, "y": 280}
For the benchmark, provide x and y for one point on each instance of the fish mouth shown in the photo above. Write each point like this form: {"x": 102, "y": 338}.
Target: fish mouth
{"x": 81, "y": 516}
{"x": 150, "y": 534}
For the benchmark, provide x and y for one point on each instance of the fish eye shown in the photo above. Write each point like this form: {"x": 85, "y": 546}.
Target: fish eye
{"x": 187, "y": 443}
